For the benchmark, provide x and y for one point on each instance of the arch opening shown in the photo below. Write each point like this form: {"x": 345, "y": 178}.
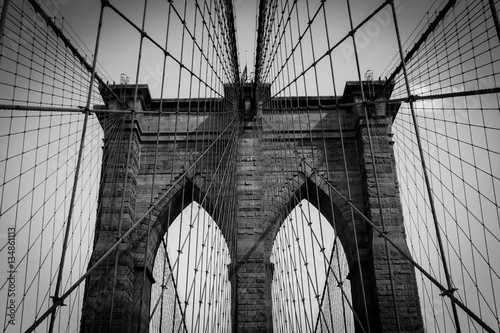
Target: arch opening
{"x": 310, "y": 290}
{"x": 192, "y": 292}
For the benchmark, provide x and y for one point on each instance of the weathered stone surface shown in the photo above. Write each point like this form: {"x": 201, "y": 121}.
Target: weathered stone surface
{"x": 261, "y": 207}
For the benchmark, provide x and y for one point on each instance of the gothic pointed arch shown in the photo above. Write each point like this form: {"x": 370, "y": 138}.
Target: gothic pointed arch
{"x": 318, "y": 195}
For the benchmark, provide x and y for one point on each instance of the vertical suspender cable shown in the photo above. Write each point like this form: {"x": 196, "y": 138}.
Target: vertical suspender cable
{"x": 153, "y": 182}
{"x": 183, "y": 189}
{"x": 370, "y": 142}
{"x": 155, "y": 162}
{"x": 55, "y": 297}
{"x": 127, "y": 165}
{"x": 451, "y": 289}
{"x": 113, "y": 247}
{"x": 163, "y": 284}
{"x": 190, "y": 223}
{"x": 346, "y": 173}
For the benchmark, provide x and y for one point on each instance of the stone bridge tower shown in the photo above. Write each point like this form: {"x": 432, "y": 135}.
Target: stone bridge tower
{"x": 261, "y": 209}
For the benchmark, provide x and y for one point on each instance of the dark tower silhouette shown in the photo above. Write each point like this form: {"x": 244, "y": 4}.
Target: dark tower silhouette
{"x": 257, "y": 221}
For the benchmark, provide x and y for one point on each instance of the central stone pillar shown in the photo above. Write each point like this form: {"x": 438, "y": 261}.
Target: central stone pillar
{"x": 253, "y": 269}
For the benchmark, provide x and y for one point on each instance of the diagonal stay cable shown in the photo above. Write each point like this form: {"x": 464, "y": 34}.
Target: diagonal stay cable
{"x": 304, "y": 216}
{"x": 440, "y": 17}
{"x": 55, "y": 297}
{"x": 444, "y": 290}
{"x": 155, "y": 43}
{"x": 451, "y": 289}
{"x": 329, "y": 51}
{"x": 49, "y": 21}
{"x": 112, "y": 248}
